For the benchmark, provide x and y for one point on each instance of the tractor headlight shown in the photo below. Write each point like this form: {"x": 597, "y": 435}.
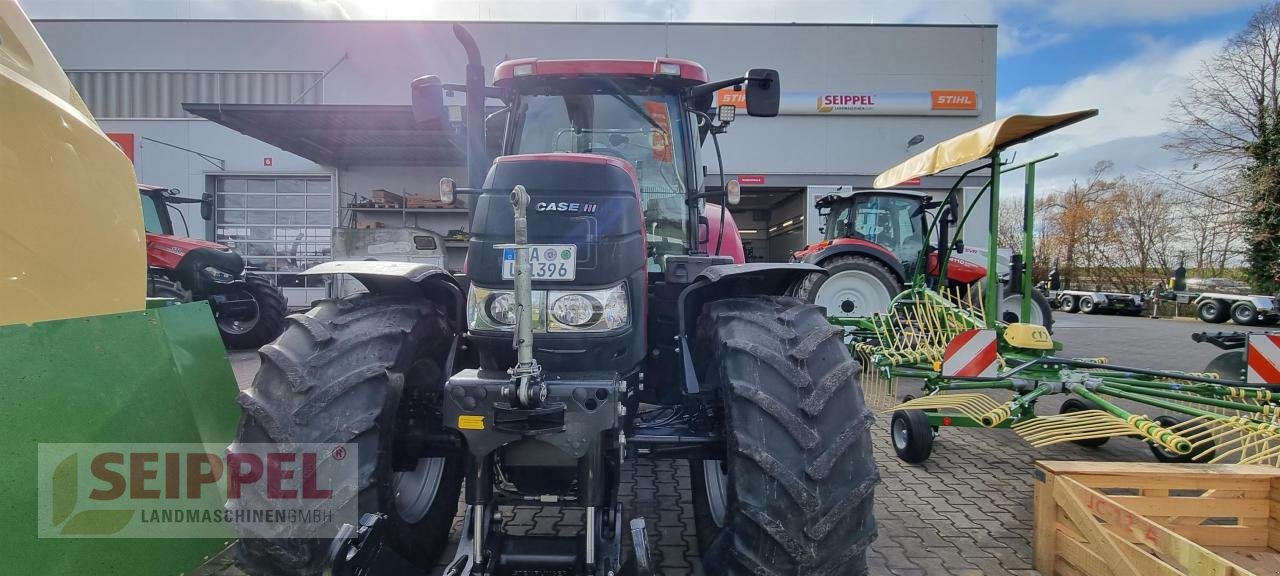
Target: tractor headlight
{"x": 496, "y": 309}
{"x": 501, "y": 308}
{"x": 218, "y": 275}
{"x": 593, "y": 311}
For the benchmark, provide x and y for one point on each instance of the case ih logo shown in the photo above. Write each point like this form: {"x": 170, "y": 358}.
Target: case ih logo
{"x": 832, "y": 102}
{"x": 186, "y": 491}
{"x": 954, "y": 100}
{"x": 577, "y": 207}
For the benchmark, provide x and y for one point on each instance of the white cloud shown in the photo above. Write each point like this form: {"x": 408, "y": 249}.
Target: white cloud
{"x": 1012, "y": 40}
{"x": 1110, "y": 12}
{"x": 1133, "y": 98}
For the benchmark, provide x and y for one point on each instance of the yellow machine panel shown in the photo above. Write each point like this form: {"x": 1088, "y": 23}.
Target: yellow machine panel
{"x": 1028, "y": 336}
{"x": 71, "y": 234}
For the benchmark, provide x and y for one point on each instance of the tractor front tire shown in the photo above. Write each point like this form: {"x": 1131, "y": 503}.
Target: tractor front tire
{"x": 266, "y": 325}
{"x": 161, "y": 287}
{"x": 1041, "y": 311}
{"x": 795, "y": 493}
{"x": 854, "y": 286}
{"x": 327, "y": 379}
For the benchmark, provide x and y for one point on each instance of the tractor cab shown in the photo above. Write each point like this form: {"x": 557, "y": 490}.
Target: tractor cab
{"x": 892, "y": 220}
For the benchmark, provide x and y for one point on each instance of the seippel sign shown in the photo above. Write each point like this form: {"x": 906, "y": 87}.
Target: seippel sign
{"x": 932, "y": 103}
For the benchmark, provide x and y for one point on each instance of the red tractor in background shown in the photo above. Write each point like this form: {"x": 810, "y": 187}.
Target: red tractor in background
{"x": 872, "y": 244}
{"x": 249, "y": 311}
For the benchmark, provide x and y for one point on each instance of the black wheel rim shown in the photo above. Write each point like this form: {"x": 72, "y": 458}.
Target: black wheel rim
{"x": 240, "y": 324}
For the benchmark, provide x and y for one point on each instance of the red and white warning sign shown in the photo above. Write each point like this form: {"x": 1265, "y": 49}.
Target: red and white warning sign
{"x": 1263, "y": 358}
{"x": 972, "y": 354}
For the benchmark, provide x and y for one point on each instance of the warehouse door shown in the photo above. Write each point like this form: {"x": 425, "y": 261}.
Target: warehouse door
{"x": 280, "y": 225}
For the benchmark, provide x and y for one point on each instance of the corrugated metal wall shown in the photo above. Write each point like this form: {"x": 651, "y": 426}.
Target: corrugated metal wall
{"x": 160, "y": 94}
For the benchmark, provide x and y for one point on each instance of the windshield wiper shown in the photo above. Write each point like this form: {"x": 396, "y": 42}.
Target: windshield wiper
{"x": 616, "y": 92}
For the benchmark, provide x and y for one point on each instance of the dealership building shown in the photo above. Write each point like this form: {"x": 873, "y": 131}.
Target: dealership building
{"x": 299, "y": 128}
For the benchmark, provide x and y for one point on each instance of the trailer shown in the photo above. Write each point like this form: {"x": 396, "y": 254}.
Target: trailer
{"x": 1094, "y": 302}
{"x": 1218, "y": 307}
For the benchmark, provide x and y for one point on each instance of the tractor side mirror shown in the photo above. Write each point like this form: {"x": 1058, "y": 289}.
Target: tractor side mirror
{"x": 206, "y": 206}
{"x": 764, "y": 92}
{"x": 428, "y": 102}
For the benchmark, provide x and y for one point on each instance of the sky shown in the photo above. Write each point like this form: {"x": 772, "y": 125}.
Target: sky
{"x": 1128, "y": 58}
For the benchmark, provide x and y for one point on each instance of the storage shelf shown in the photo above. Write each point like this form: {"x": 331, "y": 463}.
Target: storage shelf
{"x": 413, "y": 210}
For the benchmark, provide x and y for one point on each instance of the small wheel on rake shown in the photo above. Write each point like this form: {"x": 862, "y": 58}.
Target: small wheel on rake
{"x": 1080, "y": 405}
{"x": 1201, "y": 454}
{"x": 909, "y": 397}
{"x": 912, "y": 436}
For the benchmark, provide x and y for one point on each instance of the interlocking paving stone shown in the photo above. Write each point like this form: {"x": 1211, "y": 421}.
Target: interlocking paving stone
{"x": 965, "y": 511}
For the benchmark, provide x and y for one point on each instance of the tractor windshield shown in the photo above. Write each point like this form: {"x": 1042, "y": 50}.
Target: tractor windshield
{"x": 153, "y": 215}
{"x": 641, "y": 127}
{"x": 890, "y": 221}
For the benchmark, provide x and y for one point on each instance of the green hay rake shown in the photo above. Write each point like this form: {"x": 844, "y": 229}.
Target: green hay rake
{"x": 977, "y": 371}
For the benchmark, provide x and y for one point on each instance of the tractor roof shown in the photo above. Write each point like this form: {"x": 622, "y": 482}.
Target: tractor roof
{"x": 144, "y": 188}
{"x": 839, "y": 195}
{"x": 669, "y": 68}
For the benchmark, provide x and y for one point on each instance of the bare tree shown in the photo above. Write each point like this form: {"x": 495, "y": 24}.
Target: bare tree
{"x": 1081, "y": 226}
{"x": 1009, "y": 231}
{"x": 1225, "y": 108}
{"x": 1229, "y": 121}
{"x": 1147, "y": 228}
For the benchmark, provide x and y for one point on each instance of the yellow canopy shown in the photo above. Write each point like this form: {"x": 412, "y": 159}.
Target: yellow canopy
{"x": 978, "y": 143}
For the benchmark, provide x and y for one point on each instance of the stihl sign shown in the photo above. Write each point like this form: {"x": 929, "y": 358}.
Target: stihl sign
{"x": 954, "y": 100}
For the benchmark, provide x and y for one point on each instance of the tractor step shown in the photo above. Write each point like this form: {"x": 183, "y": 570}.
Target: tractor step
{"x": 539, "y": 556}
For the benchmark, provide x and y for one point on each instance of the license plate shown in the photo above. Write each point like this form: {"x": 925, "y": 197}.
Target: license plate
{"x": 546, "y": 262}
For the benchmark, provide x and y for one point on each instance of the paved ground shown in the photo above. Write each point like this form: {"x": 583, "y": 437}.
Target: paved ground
{"x": 965, "y": 511}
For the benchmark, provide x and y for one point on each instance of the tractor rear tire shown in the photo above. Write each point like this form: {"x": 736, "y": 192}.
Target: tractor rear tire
{"x": 1041, "y": 311}
{"x": 269, "y": 322}
{"x": 1080, "y": 405}
{"x": 161, "y": 287}
{"x": 1213, "y": 311}
{"x": 1229, "y": 365}
{"x": 854, "y": 286}
{"x": 327, "y": 380}
{"x": 795, "y": 494}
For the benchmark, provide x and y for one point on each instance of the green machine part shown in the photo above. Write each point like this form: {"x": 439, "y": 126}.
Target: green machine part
{"x": 152, "y": 376}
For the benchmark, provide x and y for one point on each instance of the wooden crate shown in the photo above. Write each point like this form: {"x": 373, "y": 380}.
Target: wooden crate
{"x": 386, "y": 198}
{"x": 1122, "y": 519}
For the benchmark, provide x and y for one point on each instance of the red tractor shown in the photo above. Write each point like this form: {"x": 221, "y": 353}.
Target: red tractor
{"x": 873, "y": 242}
{"x": 249, "y": 311}
{"x": 606, "y": 332}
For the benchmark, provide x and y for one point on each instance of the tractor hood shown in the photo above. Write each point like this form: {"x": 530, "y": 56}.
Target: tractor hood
{"x": 170, "y": 252}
